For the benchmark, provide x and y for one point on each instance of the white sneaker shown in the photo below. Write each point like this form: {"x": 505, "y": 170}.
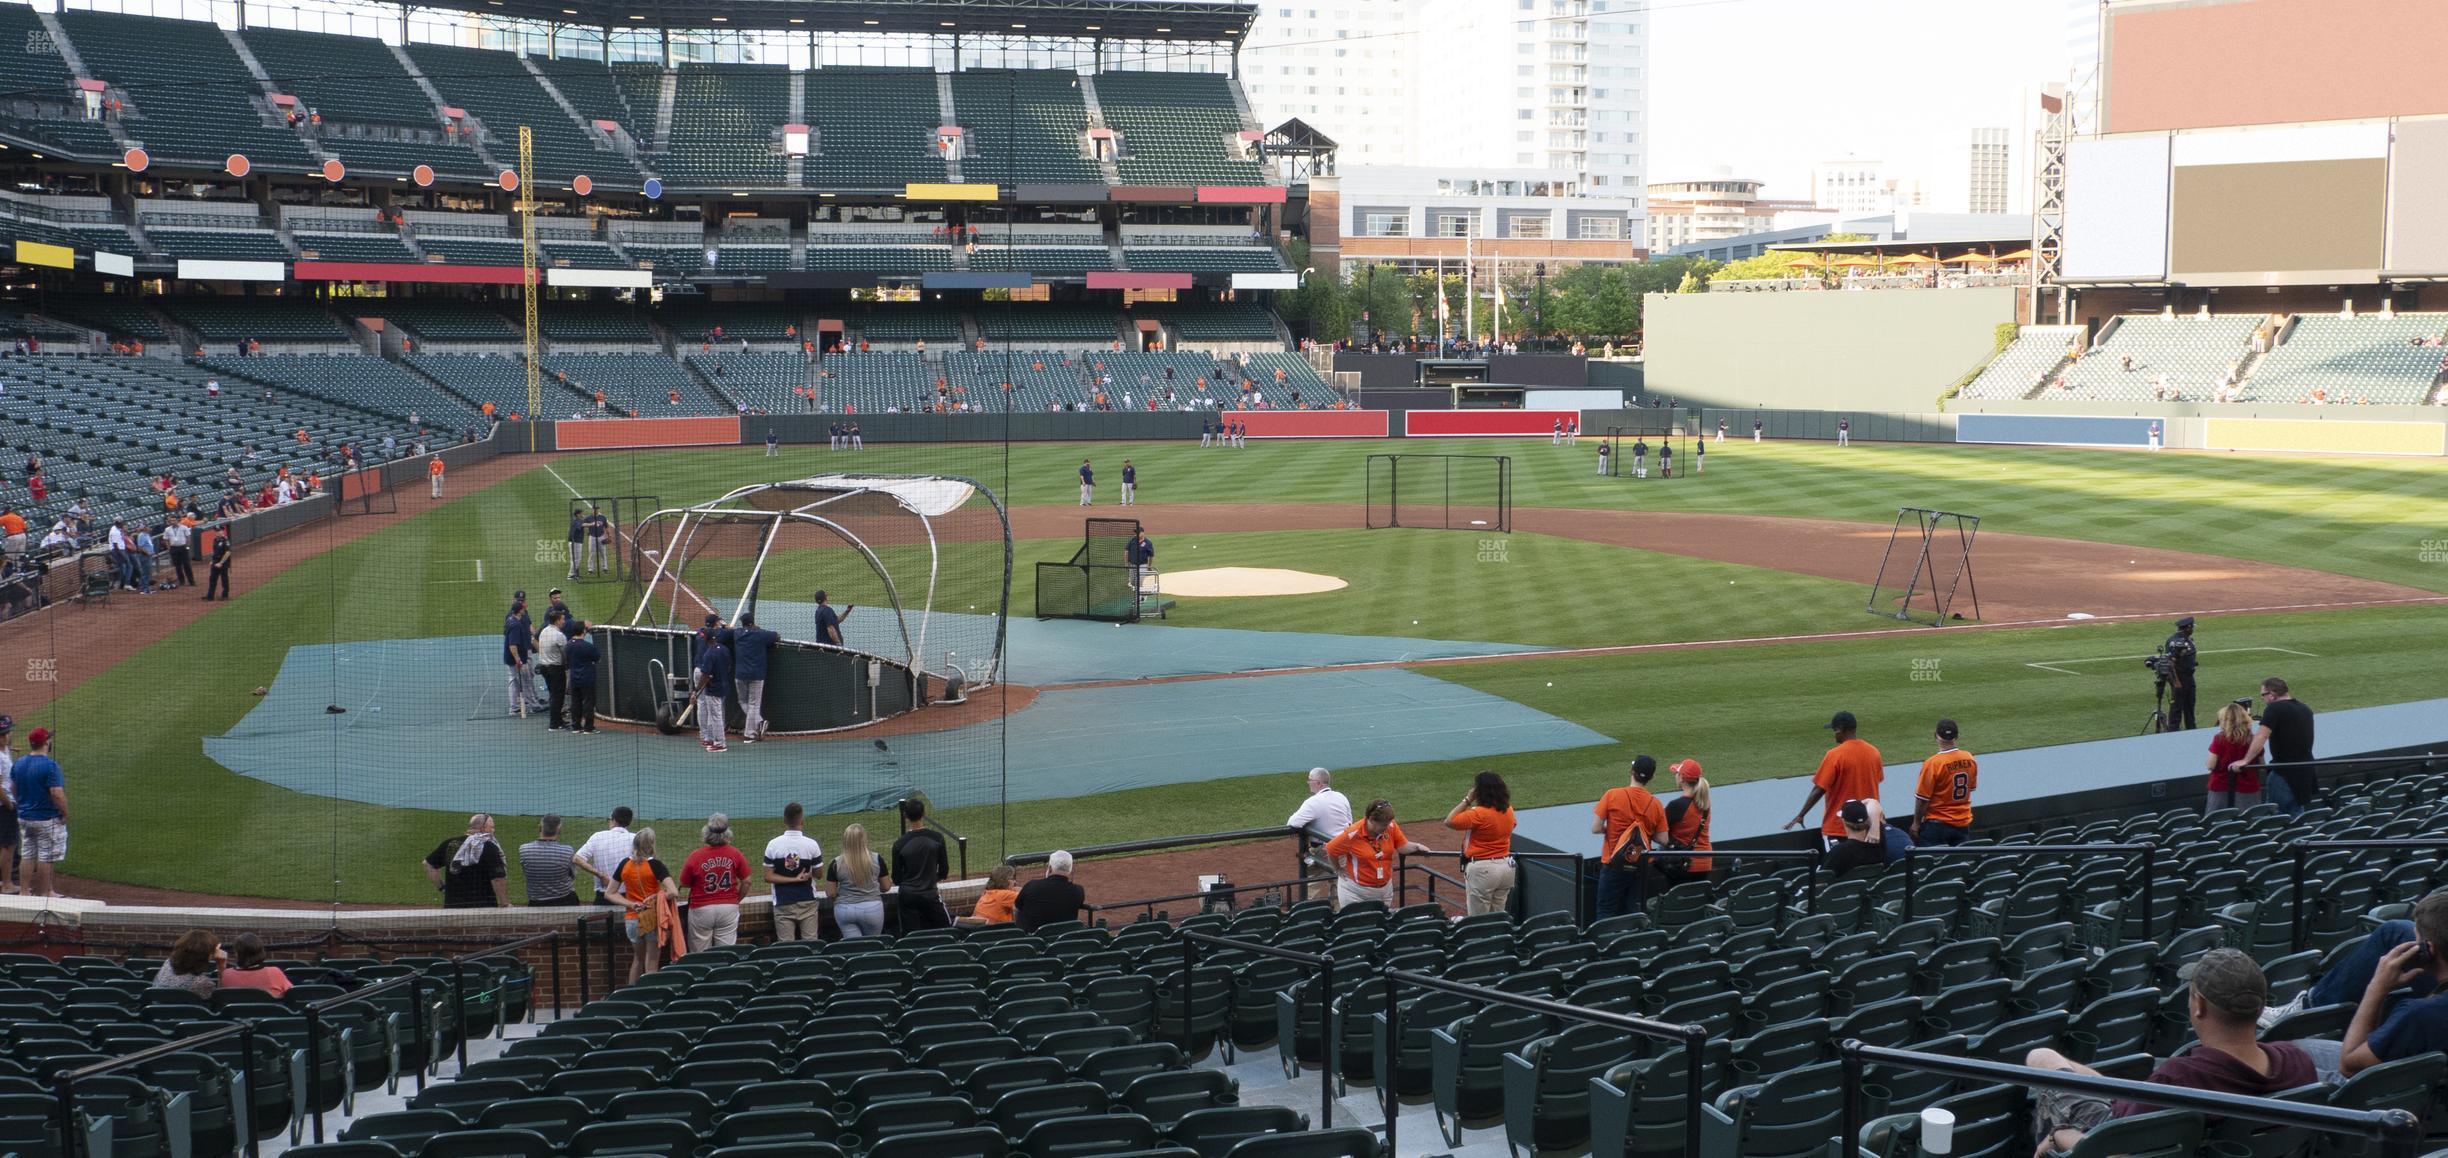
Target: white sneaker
{"x": 2272, "y": 1015}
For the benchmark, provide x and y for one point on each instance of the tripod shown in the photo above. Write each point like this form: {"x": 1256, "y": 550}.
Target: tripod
{"x": 2158, "y": 720}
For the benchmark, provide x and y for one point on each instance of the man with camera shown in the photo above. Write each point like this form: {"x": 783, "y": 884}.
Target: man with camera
{"x": 2177, "y": 659}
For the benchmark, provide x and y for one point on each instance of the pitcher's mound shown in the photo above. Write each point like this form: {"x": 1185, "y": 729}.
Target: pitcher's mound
{"x": 1231, "y": 581}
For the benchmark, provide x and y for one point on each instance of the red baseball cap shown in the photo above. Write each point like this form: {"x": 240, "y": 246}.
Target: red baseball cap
{"x": 1687, "y": 769}
{"x": 39, "y": 737}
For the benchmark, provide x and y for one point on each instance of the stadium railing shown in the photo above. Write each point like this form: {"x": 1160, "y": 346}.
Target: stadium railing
{"x": 2399, "y": 1133}
{"x": 2301, "y": 852}
{"x": 1693, "y": 1038}
{"x": 414, "y": 983}
{"x": 1577, "y": 863}
{"x": 1191, "y": 939}
{"x": 64, "y": 1084}
{"x": 1300, "y": 860}
{"x": 458, "y": 964}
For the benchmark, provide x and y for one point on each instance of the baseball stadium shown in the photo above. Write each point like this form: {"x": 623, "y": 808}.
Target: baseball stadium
{"x": 962, "y": 450}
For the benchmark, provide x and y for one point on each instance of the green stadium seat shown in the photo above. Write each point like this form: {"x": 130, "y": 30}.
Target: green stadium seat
{"x": 660, "y": 1136}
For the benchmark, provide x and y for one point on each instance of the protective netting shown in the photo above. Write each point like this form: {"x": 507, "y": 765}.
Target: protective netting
{"x": 1448, "y": 492}
{"x": 318, "y": 736}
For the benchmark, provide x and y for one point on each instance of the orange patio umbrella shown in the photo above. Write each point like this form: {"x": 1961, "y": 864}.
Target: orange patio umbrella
{"x": 1855, "y": 261}
{"x": 1913, "y": 259}
{"x": 1972, "y": 258}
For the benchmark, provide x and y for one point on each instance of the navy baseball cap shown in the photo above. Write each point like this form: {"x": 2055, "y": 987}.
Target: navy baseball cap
{"x": 1842, "y": 720}
{"x": 712, "y": 619}
{"x": 520, "y": 594}
{"x": 7, "y": 724}
{"x": 1855, "y": 813}
{"x": 2185, "y": 622}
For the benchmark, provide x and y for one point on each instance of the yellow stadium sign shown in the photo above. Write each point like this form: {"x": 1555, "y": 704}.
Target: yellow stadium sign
{"x": 36, "y": 253}
{"x": 940, "y": 191}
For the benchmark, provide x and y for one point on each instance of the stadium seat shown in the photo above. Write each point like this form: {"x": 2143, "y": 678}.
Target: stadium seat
{"x": 2164, "y": 1134}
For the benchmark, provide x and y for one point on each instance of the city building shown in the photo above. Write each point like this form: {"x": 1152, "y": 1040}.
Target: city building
{"x": 1415, "y": 217}
{"x": 1989, "y": 171}
{"x": 1713, "y": 208}
{"x": 1557, "y": 85}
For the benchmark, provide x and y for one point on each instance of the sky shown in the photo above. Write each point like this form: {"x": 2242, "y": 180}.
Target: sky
{"x": 1772, "y": 86}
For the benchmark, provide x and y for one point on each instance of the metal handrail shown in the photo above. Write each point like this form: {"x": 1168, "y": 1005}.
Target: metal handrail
{"x": 458, "y": 966}
{"x": 64, "y": 1083}
{"x": 1694, "y": 1039}
{"x": 1580, "y": 917}
{"x": 2147, "y": 851}
{"x": 414, "y": 982}
{"x": 1325, "y": 966}
{"x": 1810, "y": 875}
{"x": 1157, "y": 844}
{"x": 2398, "y": 1132}
{"x": 2300, "y": 852}
{"x": 1148, "y": 904}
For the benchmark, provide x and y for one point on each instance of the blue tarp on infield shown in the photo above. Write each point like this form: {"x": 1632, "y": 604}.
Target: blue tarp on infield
{"x": 1045, "y": 652}
{"x": 426, "y": 726}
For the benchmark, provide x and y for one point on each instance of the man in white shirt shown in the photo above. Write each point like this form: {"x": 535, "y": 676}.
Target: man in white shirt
{"x": 793, "y": 861}
{"x": 550, "y": 643}
{"x": 603, "y": 852}
{"x": 1322, "y": 816}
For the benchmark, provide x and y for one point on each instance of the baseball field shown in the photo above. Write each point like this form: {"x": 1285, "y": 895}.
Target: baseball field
{"x": 1719, "y": 616}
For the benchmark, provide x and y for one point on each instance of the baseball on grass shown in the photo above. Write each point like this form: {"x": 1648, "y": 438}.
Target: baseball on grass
{"x": 1551, "y": 683}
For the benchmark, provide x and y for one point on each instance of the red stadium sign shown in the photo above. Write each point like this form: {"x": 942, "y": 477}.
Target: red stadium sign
{"x": 334, "y": 171}
{"x": 509, "y": 180}
{"x": 238, "y": 165}
{"x": 582, "y": 184}
{"x": 136, "y": 160}
{"x": 423, "y": 175}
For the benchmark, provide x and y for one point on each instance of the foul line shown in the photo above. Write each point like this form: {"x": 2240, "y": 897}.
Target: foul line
{"x": 1741, "y": 641}
{"x": 478, "y": 579}
{"x": 683, "y": 587}
{"x": 2052, "y": 665}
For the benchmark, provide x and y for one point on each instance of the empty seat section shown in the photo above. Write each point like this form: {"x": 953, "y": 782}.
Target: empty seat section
{"x": 360, "y": 380}
{"x": 875, "y": 128}
{"x": 497, "y": 89}
{"x": 442, "y": 320}
{"x": 640, "y": 382}
{"x": 38, "y": 79}
{"x": 1068, "y": 327}
{"x": 1023, "y": 126}
{"x": 1217, "y": 321}
{"x": 1177, "y": 128}
{"x": 908, "y": 323}
{"x": 2191, "y": 355}
{"x": 189, "y": 96}
{"x": 874, "y": 381}
{"x": 765, "y": 380}
{"x": 725, "y": 121}
{"x": 263, "y": 319}
{"x": 2393, "y": 361}
{"x": 500, "y": 379}
{"x": 2023, "y": 367}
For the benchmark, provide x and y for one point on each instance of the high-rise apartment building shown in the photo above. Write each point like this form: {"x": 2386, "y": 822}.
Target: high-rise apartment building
{"x": 1989, "y": 171}
{"x": 1550, "y": 85}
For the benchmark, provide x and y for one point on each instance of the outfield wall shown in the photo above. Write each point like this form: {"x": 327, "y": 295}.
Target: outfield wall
{"x": 1894, "y": 350}
{"x": 2271, "y": 426}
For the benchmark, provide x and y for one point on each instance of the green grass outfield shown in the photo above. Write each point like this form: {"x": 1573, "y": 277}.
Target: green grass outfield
{"x": 151, "y": 810}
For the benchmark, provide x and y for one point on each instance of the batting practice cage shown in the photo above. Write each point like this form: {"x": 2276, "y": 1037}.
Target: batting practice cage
{"x": 1926, "y": 570}
{"x": 891, "y": 556}
{"x": 375, "y": 678}
{"x": 1648, "y": 452}
{"x": 1443, "y": 492}
{"x": 1098, "y": 582}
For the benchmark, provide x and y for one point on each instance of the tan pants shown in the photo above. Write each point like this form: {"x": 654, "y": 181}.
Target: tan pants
{"x": 795, "y": 921}
{"x": 1351, "y": 892}
{"x": 711, "y": 925}
{"x": 1490, "y": 885}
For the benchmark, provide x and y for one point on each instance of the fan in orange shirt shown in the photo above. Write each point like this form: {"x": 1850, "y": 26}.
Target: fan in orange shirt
{"x": 1942, "y": 803}
{"x": 1629, "y": 819}
{"x": 1364, "y": 853}
{"x": 1487, "y": 857}
{"x": 995, "y": 902}
{"x": 1851, "y": 770}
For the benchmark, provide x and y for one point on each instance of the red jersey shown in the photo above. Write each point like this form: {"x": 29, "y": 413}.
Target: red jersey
{"x": 714, "y": 875}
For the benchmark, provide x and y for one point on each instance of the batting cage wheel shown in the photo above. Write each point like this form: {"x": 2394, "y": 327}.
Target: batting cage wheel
{"x": 1440, "y": 492}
